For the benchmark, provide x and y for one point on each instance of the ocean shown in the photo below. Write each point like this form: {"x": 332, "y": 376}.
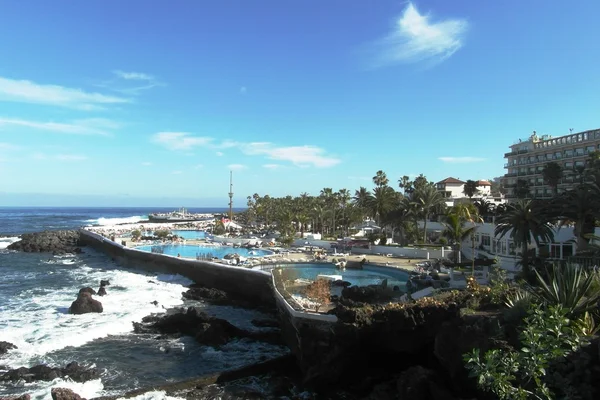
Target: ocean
{"x": 36, "y": 291}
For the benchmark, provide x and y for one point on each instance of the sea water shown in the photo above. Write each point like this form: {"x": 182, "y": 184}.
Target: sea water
{"x": 36, "y": 290}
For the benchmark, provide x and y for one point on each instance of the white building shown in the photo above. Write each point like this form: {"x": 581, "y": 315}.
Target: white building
{"x": 453, "y": 190}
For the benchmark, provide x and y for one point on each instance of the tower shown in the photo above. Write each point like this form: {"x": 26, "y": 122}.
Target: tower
{"x": 230, "y": 195}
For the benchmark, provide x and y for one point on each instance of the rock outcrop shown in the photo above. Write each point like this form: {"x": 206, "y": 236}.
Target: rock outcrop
{"x": 57, "y": 242}
{"x": 64, "y": 394}
{"x": 21, "y": 397}
{"x": 85, "y": 304}
{"x": 42, "y": 372}
{"x": 205, "y": 329}
{"x": 5, "y": 347}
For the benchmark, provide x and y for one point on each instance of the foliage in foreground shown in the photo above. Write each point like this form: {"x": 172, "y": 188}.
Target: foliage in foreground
{"x": 549, "y": 337}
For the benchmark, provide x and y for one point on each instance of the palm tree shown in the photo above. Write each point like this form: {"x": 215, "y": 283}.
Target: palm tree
{"x": 382, "y": 202}
{"x": 428, "y": 198}
{"x": 522, "y": 189}
{"x": 525, "y": 222}
{"x": 405, "y": 184}
{"x": 380, "y": 179}
{"x": 456, "y": 232}
{"x": 484, "y": 207}
{"x": 362, "y": 199}
{"x": 470, "y": 188}
{"x": 344, "y": 198}
{"x": 552, "y": 174}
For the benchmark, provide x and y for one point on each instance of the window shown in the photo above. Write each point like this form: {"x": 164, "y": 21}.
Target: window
{"x": 579, "y": 163}
{"x": 589, "y": 149}
{"x": 568, "y": 165}
{"x": 485, "y": 240}
{"x": 568, "y": 153}
{"x": 558, "y": 155}
{"x": 579, "y": 151}
{"x": 567, "y": 250}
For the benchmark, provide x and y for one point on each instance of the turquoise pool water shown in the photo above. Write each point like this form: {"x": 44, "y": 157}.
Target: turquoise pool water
{"x": 191, "y": 251}
{"x": 370, "y": 275}
{"x": 190, "y": 235}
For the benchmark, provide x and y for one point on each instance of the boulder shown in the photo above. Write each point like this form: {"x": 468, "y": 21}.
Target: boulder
{"x": 5, "y": 347}
{"x": 101, "y": 291}
{"x": 43, "y": 372}
{"x": 104, "y": 282}
{"x": 85, "y": 304}
{"x": 265, "y": 323}
{"x": 64, "y": 394}
{"x": 57, "y": 242}
{"x": 366, "y": 294}
{"x": 87, "y": 290}
{"x": 421, "y": 383}
{"x": 21, "y": 397}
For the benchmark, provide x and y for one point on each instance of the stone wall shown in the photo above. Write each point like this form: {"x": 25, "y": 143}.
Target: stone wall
{"x": 252, "y": 285}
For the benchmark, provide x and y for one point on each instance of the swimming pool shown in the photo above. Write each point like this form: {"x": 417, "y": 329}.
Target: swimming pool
{"x": 190, "y": 235}
{"x": 191, "y": 251}
{"x": 369, "y": 275}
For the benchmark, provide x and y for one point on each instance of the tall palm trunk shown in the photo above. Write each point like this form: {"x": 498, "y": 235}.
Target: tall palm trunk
{"x": 425, "y": 228}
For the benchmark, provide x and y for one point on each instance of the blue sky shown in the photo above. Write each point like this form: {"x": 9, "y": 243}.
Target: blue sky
{"x": 155, "y": 102}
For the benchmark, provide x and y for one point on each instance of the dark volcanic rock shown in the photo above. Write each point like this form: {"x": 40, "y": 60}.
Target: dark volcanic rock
{"x": 101, "y": 291}
{"x": 45, "y": 373}
{"x": 58, "y": 242}
{"x": 64, "y": 394}
{"x": 87, "y": 290}
{"x": 85, "y": 304}
{"x": 365, "y": 294}
{"x": 5, "y": 347}
{"x": 205, "y": 329}
{"x": 21, "y": 397}
{"x": 104, "y": 282}
{"x": 265, "y": 323}
{"x": 421, "y": 383}
{"x": 203, "y": 293}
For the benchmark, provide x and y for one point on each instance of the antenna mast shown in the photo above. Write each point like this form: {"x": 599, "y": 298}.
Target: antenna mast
{"x": 230, "y": 195}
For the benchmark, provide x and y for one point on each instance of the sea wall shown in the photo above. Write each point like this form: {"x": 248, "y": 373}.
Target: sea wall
{"x": 252, "y": 285}
{"x": 407, "y": 252}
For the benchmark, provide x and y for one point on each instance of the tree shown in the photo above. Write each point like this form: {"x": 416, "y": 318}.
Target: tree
{"x": 136, "y": 234}
{"x": 552, "y": 174}
{"x": 406, "y": 185}
{"x": 525, "y": 222}
{"x": 382, "y": 202}
{"x": 380, "y": 179}
{"x": 497, "y": 188}
{"x": 522, "y": 189}
{"x": 320, "y": 292}
{"x": 219, "y": 228}
{"x": 470, "y": 188}
{"x": 427, "y": 197}
{"x": 456, "y": 232}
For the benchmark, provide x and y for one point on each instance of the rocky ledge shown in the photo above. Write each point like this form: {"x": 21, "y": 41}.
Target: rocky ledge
{"x": 205, "y": 329}
{"x": 41, "y": 372}
{"x": 57, "y": 242}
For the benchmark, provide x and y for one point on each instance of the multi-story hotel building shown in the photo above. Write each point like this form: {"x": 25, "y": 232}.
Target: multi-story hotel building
{"x": 527, "y": 158}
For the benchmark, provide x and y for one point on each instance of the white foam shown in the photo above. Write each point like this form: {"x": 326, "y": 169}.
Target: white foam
{"x": 7, "y": 241}
{"x": 37, "y": 321}
{"x": 155, "y": 395}
{"x": 117, "y": 221}
{"x": 87, "y": 390}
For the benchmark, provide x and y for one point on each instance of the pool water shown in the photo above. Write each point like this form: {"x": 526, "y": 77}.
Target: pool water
{"x": 191, "y": 251}
{"x": 370, "y": 275}
{"x": 190, "y": 235}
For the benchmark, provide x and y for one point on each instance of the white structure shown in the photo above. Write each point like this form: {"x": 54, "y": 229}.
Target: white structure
{"x": 453, "y": 190}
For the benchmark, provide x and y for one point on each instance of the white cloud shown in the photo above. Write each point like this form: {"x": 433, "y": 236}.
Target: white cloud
{"x": 416, "y": 38}
{"x": 58, "y": 157}
{"x": 30, "y": 92}
{"x": 236, "y": 167}
{"x": 461, "y": 160}
{"x": 70, "y": 157}
{"x": 177, "y": 172}
{"x": 146, "y": 163}
{"x": 137, "y": 76}
{"x": 302, "y": 156}
{"x": 180, "y": 140}
{"x": 272, "y": 166}
{"x": 92, "y": 126}
{"x": 8, "y": 146}
{"x": 219, "y": 153}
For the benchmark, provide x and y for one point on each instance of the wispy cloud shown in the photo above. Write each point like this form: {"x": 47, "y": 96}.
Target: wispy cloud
{"x": 146, "y": 163}
{"x": 177, "y": 172}
{"x": 272, "y": 166}
{"x": 219, "y": 153}
{"x": 416, "y": 37}
{"x": 236, "y": 167}
{"x": 198, "y": 166}
{"x": 136, "y": 76}
{"x": 302, "y": 156}
{"x": 8, "y": 146}
{"x": 91, "y": 126}
{"x": 180, "y": 140}
{"x": 59, "y": 157}
{"x": 24, "y": 91}
{"x": 461, "y": 160}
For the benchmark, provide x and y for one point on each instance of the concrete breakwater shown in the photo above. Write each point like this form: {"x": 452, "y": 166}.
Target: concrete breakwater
{"x": 251, "y": 285}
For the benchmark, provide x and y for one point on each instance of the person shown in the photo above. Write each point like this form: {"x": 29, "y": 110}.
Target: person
{"x": 178, "y": 255}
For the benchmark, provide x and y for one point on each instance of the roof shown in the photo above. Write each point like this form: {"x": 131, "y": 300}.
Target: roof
{"x": 482, "y": 182}
{"x": 452, "y": 180}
